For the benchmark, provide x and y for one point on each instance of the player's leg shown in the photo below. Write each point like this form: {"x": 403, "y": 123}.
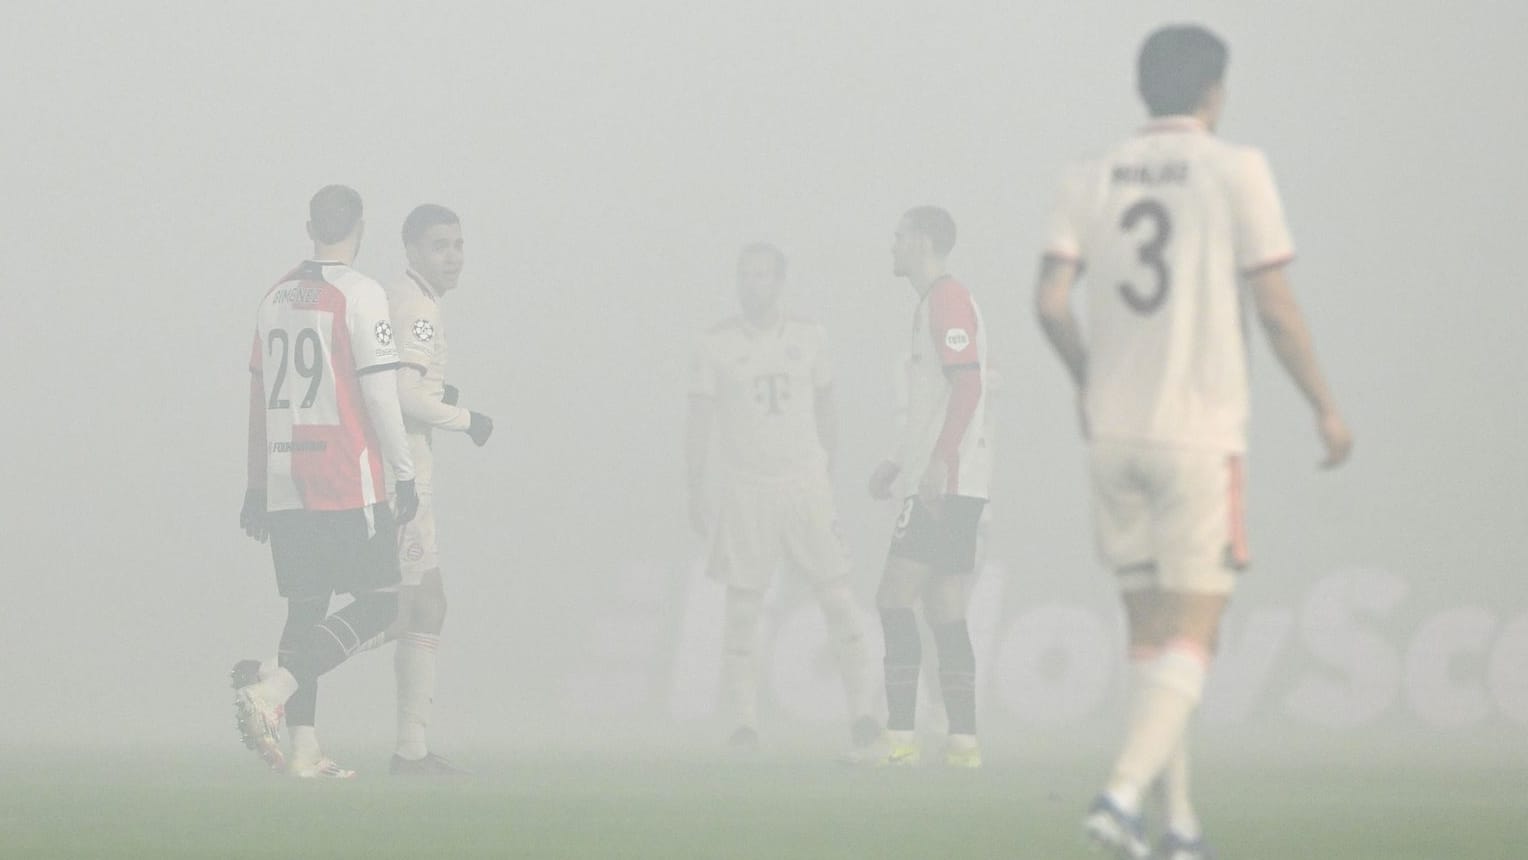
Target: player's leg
{"x": 901, "y": 586}
{"x": 303, "y": 612}
{"x": 745, "y": 553}
{"x": 742, "y": 612}
{"x": 945, "y": 598}
{"x": 851, "y": 651}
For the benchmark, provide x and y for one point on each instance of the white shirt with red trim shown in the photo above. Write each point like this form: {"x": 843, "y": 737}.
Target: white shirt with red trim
{"x": 316, "y": 332}
{"x": 764, "y": 384}
{"x": 1164, "y": 226}
{"x": 947, "y": 336}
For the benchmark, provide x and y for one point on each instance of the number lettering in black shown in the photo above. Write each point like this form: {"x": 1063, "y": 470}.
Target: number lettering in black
{"x": 307, "y": 358}
{"x": 1150, "y": 254}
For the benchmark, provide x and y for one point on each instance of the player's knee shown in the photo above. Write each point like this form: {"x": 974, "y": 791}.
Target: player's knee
{"x": 741, "y": 620}
{"x": 427, "y": 608}
{"x": 904, "y": 645}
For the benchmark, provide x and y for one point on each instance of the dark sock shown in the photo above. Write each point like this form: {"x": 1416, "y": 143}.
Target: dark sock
{"x": 335, "y": 638}
{"x": 904, "y": 652}
{"x": 957, "y": 675}
{"x": 302, "y": 615}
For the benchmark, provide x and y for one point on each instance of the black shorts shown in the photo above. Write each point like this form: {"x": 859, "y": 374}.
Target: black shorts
{"x": 322, "y": 552}
{"x": 946, "y": 542}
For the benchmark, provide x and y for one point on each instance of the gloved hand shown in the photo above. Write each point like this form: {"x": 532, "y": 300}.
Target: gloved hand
{"x": 253, "y": 519}
{"x": 481, "y": 429}
{"x": 405, "y": 501}
{"x": 451, "y": 395}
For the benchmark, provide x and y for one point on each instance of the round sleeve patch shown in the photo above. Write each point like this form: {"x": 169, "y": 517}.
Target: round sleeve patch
{"x": 384, "y": 333}
{"x": 957, "y": 339}
{"x": 424, "y": 331}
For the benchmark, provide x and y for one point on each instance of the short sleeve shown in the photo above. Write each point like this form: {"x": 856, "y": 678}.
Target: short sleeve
{"x": 1064, "y": 226}
{"x": 702, "y": 371}
{"x": 417, "y": 324}
{"x": 822, "y": 362}
{"x": 952, "y": 324}
{"x": 1262, "y": 236}
{"x": 373, "y": 343}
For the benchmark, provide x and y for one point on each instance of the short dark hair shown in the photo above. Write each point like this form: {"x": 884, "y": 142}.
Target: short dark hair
{"x": 333, "y": 213}
{"x": 1177, "y": 66}
{"x": 425, "y": 216}
{"x": 935, "y": 223}
{"x": 764, "y": 249}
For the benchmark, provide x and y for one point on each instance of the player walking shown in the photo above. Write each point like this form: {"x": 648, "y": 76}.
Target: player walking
{"x": 762, "y": 383}
{"x": 941, "y": 476}
{"x": 432, "y": 240}
{"x": 324, "y": 418}
{"x": 1169, "y": 225}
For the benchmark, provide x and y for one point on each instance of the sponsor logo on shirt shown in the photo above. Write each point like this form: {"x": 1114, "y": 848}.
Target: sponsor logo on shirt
{"x": 957, "y": 339}
{"x": 298, "y": 447}
{"x": 384, "y": 333}
{"x": 424, "y": 331}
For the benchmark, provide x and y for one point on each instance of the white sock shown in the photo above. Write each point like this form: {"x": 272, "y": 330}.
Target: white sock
{"x": 305, "y": 744}
{"x": 373, "y": 643}
{"x": 847, "y": 636}
{"x": 740, "y": 669}
{"x": 277, "y": 688}
{"x": 268, "y": 667}
{"x": 414, "y": 666}
{"x": 1169, "y": 691}
{"x": 1181, "y": 818}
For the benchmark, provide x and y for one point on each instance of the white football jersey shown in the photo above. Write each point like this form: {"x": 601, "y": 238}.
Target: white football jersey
{"x": 765, "y": 385}
{"x": 1165, "y": 226}
{"x": 947, "y": 334}
{"x": 421, "y": 335}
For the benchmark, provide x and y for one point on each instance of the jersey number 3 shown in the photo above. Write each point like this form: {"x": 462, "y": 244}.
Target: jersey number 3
{"x": 306, "y": 356}
{"x": 1150, "y": 254}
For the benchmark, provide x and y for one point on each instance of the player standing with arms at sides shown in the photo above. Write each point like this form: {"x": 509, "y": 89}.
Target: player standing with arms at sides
{"x": 1169, "y": 226}
{"x": 432, "y": 240}
{"x": 941, "y": 475}
{"x": 324, "y": 426}
{"x": 763, "y": 384}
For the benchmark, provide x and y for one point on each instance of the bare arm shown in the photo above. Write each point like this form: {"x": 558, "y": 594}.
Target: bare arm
{"x": 1053, "y": 307}
{"x": 826, "y": 409}
{"x": 1291, "y": 341}
{"x": 697, "y": 449}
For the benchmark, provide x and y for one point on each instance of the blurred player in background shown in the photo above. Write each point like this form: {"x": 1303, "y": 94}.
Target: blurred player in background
{"x": 324, "y": 428}
{"x": 1169, "y": 226}
{"x": 941, "y": 475}
{"x": 762, "y": 384}
{"x": 432, "y": 240}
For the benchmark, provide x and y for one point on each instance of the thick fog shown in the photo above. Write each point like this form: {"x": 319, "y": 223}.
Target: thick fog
{"x": 608, "y": 161}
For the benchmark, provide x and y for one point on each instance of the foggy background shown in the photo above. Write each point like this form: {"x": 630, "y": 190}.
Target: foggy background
{"x": 607, "y": 161}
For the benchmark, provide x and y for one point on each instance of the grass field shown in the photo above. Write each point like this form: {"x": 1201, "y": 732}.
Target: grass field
{"x": 220, "y": 805}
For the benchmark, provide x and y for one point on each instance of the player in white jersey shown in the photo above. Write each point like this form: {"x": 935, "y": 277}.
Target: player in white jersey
{"x": 940, "y": 475}
{"x": 762, "y": 384}
{"x": 432, "y": 241}
{"x": 1173, "y": 228}
{"x": 324, "y": 417}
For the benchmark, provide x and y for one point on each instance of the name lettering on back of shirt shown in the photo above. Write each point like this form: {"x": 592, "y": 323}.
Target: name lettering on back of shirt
{"x": 1167, "y": 173}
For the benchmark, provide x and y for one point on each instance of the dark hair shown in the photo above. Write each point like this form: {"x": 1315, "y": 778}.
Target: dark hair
{"x": 425, "y": 216}
{"x": 936, "y": 224}
{"x": 764, "y": 249}
{"x": 333, "y": 213}
{"x": 1177, "y": 66}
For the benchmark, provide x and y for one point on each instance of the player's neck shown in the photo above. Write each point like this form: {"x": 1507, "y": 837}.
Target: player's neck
{"x": 345, "y": 253}
{"x": 430, "y": 284}
{"x": 764, "y": 319}
{"x": 927, "y": 276}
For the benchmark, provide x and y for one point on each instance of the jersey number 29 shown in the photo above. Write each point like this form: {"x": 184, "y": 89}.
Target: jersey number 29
{"x": 305, "y": 355}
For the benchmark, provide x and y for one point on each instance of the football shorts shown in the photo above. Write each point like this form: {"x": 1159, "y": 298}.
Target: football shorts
{"x": 762, "y": 523}
{"x": 944, "y": 537}
{"x": 321, "y": 552}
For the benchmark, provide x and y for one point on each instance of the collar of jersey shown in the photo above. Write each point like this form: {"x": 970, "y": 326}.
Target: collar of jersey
{"x": 423, "y": 284}
{"x": 753, "y": 331}
{"x": 1176, "y": 122}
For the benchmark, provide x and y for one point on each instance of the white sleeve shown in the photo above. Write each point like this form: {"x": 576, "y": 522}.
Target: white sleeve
{"x": 372, "y": 343}
{"x": 420, "y": 406}
{"x": 1262, "y": 236}
{"x": 380, "y": 391}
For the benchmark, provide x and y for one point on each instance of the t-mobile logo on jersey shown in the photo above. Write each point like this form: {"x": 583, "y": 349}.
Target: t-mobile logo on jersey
{"x": 771, "y": 390}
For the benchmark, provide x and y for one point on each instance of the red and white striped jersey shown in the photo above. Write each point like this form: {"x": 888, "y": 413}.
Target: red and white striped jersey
{"x": 317, "y": 332}
{"x": 1165, "y": 225}
{"x": 947, "y": 335}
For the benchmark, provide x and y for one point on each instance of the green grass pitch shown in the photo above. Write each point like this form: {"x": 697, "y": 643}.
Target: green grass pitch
{"x": 219, "y": 804}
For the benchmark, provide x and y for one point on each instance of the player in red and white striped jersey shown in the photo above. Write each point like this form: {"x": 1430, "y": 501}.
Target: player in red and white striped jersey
{"x": 941, "y": 475}
{"x": 1169, "y": 226}
{"x": 324, "y": 423}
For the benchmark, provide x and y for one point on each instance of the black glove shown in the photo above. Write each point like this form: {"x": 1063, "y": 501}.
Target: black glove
{"x": 481, "y": 429}
{"x": 405, "y": 501}
{"x": 451, "y": 395}
{"x": 252, "y": 519}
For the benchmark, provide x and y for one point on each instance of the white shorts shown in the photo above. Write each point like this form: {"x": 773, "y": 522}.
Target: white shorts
{"x": 416, "y": 538}
{"x": 1170, "y": 518}
{"x": 763, "y": 523}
